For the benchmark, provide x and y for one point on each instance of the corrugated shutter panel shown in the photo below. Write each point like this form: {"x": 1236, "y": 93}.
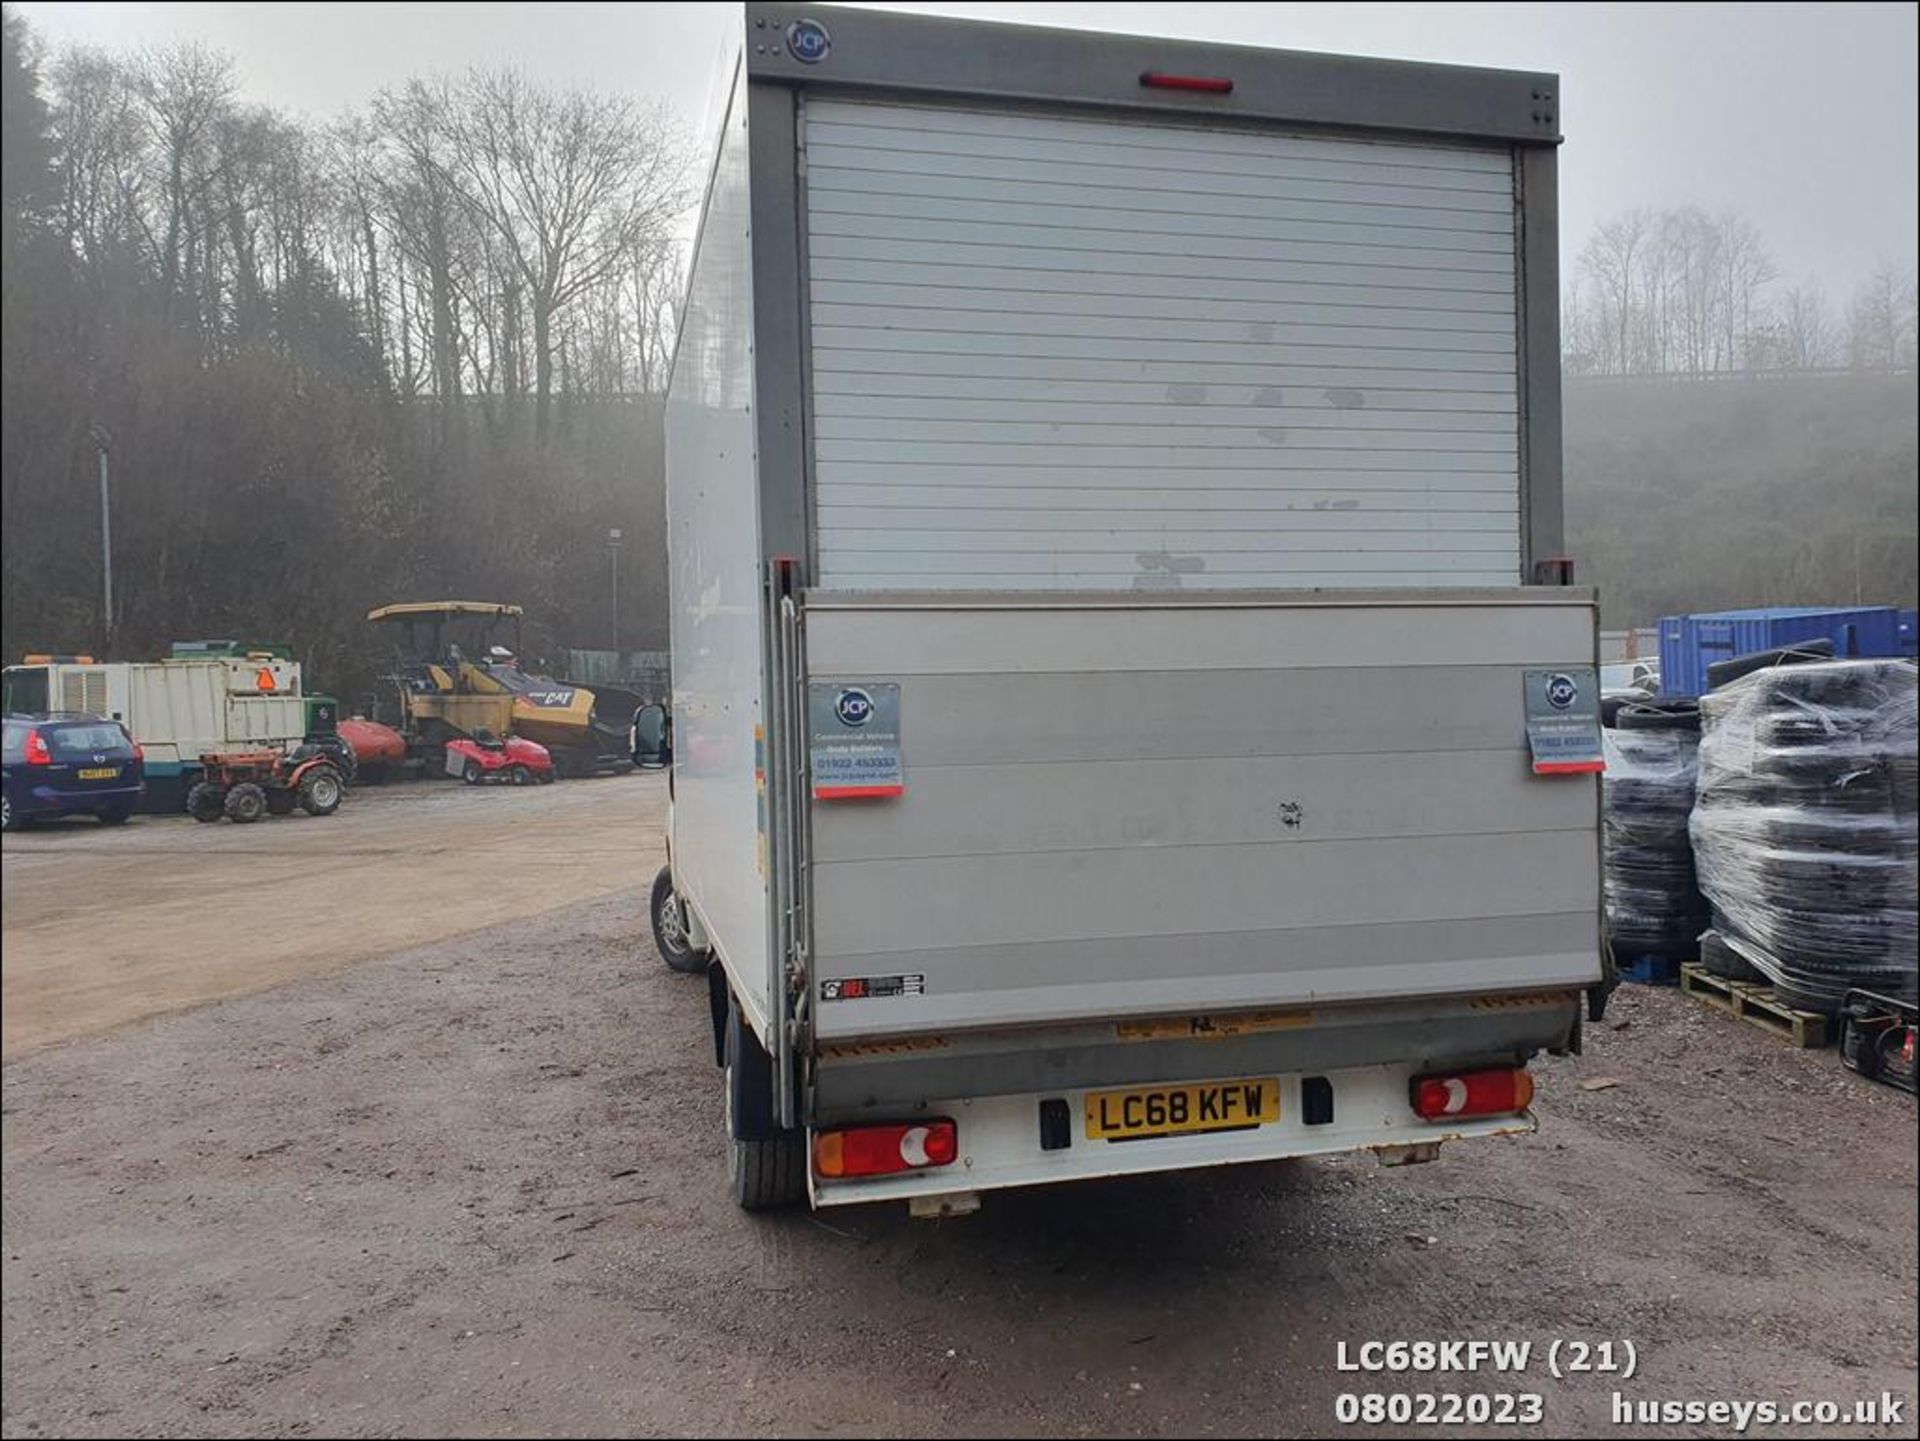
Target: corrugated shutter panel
{"x": 1075, "y": 353}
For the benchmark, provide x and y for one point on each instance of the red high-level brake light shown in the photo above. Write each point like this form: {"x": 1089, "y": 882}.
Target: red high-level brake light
{"x": 1205, "y": 84}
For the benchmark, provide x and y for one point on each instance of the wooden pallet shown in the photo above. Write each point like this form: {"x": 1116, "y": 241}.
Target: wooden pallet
{"x": 1756, "y": 1005}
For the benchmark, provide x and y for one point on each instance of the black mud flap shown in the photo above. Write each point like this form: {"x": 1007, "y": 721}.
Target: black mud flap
{"x": 719, "y": 1003}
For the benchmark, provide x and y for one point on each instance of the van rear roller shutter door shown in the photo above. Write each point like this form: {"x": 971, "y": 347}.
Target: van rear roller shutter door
{"x": 1081, "y": 353}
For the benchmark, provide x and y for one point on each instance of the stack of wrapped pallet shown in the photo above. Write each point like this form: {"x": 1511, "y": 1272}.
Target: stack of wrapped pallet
{"x": 1654, "y": 907}
{"x": 1804, "y": 827}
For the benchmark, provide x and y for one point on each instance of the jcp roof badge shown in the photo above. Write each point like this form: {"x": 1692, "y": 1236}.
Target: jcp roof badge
{"x": 808, "y": 41}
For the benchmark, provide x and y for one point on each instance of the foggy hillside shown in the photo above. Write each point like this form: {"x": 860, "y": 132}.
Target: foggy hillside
{"x": 1705, "y": 494}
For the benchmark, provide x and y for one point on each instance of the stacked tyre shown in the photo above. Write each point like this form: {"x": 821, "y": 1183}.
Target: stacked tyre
{"x": 1654, "y": 905}
{"x": 1804, "y": 832}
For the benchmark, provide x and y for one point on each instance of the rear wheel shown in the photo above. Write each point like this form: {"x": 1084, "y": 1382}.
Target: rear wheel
{"x": 669, "y": 918}
{"x": 766, "y": 1166}
{"x": 471, "y": 773}
{"x": 321, "y": 790}
{"x": 7, "y": 821}
{"x": 206, "y": 801}
{"x": 345, "y": 759}
{"x": 246, "y": 802}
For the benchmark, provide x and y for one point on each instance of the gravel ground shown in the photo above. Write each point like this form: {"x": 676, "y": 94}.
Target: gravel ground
{"x": 107, "y": 926}
{"x": 476, "y": 1188}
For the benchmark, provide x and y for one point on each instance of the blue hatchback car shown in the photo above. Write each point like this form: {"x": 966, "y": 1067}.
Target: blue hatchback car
{"x": 69, "y": 764}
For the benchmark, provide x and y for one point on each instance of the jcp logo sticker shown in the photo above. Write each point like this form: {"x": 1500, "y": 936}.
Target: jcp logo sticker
{"x": 1562, "y": 692}
{"x": 854, "y": 707}
{"x": 808, "y": 41}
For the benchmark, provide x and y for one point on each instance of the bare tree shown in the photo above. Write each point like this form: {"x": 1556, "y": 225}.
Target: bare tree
{"x": 1880, "y": 319}
{"x": 183, "y": 92}
{"x": 98, "y": 129}
{"x": 1745, "y": 269}
{"x": 1612, "y": 260}
{"x": 353, "y": 156}
{"x": 427, "y": 220}
{"x": 1807, "y": 338}
{"x": 1682, "y": 283}
{"x": 569, "y": 184}
{"x": 1676, "y": 291}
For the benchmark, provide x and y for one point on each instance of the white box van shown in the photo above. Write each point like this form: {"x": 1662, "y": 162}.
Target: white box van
{"x": 1128, "y": 710}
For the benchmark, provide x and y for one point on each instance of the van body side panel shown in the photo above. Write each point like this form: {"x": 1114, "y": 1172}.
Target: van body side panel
{"x": 718, "y": 836}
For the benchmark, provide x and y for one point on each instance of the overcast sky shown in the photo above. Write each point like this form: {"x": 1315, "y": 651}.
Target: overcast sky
{"x": 1803, "y": 116}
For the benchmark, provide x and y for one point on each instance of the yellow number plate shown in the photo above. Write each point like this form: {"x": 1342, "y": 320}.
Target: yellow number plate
{"x": 1181, "y": 1110}
{"x": 99, "y": 773}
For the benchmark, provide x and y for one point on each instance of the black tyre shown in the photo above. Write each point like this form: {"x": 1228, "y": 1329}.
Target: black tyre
{"x": 246, "y": 803}
{"x": 335, "y": 752}
{"x": 1720, "y": 959}
{"x": 1806, "y": 652}
{"x": 766, "y": 1166}
{"x": 206, "y": 801}
{"x": 321, "y": 791}
{"x": 7, "y": 821}
{"x": 1659, "y": 715}
{"x": 670, "y": 928}
{"x": 344, "y": 760}
{"x": 521, "y": 776}
{"x": 471, "y": 773}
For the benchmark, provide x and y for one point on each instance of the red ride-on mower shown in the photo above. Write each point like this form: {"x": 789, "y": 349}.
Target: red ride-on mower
{"x": 487, "y": 757}
{"x": 243, "y": 786}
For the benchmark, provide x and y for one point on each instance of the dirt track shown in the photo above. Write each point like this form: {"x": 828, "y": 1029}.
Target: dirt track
{"x": 102, "y": 927}
{"x": 476, "y": 1188}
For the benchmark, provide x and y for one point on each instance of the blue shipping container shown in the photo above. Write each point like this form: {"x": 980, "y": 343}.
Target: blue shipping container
{"x": 1691, "y": 643}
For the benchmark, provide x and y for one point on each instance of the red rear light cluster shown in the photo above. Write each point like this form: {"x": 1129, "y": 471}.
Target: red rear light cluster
{"x": 885, "y": 1150}
{"x": 37, "y": 752}
{"x": 1205, "y": 84}
{"x": 1467, "y": 1094}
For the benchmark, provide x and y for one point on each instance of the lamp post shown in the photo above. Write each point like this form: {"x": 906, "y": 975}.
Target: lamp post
{"x": 102, "y": 444}
{"x": 613, "y": 557}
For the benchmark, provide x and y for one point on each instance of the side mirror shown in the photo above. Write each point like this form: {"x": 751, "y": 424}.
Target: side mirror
{"x": 652, "y": 737}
